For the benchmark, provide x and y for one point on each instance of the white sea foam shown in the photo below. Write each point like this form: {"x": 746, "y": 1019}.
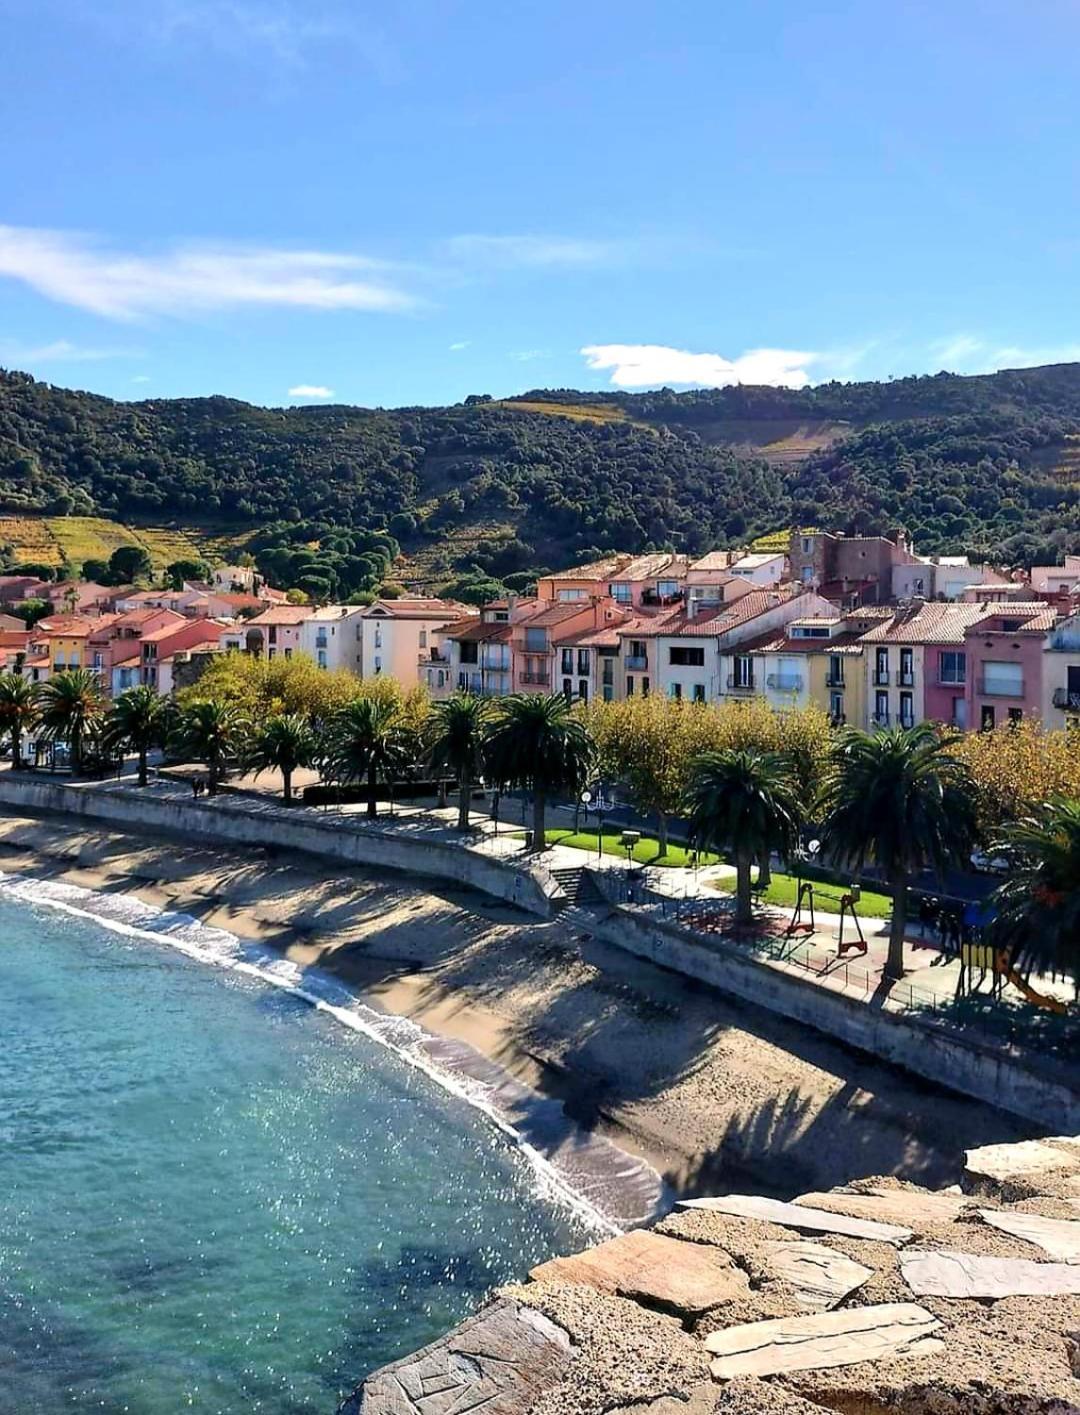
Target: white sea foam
{"x": 125, "y": 914}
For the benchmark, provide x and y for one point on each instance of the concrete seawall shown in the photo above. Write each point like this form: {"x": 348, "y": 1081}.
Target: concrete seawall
{"x": 236, "y": 821}
{"x": 928, "y": 1049}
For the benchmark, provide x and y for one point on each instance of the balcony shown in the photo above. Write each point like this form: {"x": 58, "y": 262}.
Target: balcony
{"x": 906, "y": 720}
{"x": 433, "y": 656}
{"x": 541, "y": 679}
{"x": 637, "y": 662}
{"x": 996, "y": 688}
{"x": 834, "y": 680}
{"x": 654, "y": 597}
{"x": 880, "y": 719}
{"x": 881, "y": 677}
{"x": 1070, "y": 702}
{"x": 906, "y": 679}
{"x": 784, "y": 682}
{"x": 740, "y": 685}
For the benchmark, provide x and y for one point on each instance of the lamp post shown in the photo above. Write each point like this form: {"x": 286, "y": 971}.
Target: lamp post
{"x": 585, "y": 799}
{"x": 629, "y": 840}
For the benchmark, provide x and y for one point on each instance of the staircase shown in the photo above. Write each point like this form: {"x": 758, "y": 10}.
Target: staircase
{"x": 577, "y": 884}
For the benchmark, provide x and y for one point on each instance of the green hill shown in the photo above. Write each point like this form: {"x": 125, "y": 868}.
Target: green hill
{"x": 986, "y": 465}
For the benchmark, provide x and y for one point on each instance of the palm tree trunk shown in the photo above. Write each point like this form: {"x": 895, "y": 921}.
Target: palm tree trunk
{"x": 894, "y": 964}
{"x": 661, "y": 831}
{"x": 372, "y": 781}
{"x": 143, "y": 776}
{"x": 16, "y": 749}
{"x": 212, "y": 769}
{"x": 464, "y": 792}
{"x": 286, "y": 777}
{"x": 75, "y": 743}
{"x": 744, "y": 900}
{"x": 764, "y": 872}
{"x": 539, "y": 834}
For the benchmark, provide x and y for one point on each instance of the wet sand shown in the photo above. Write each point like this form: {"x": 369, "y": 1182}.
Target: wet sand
{"x": 713, "y": 1093}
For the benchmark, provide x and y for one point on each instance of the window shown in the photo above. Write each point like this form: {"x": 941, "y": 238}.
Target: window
{"x": 807, "y": 574}
{"x": 440, "y": 678}
{"x": 699, "y": 692}
{"x": 686, "y": 657}
{"x": 907, "y": 710}
{"x": 621, "y": 593}
{"x": 675, "y": 691}
{"x": 271, "y": 653}
{"x": 1015, "y": 714}
{"x": 273, "y": 633}
{"x": 1003, "y": 680}
{"x": 322, "y": 658}
{"x": 881, "y": 665}
{"x": 583, "y": 689}
{"x": 644, "y": 687}
{"x": 987, "y": 718}
{"x": 959, "y": 713}
{"x": 288, "y": 653}
{"x": 836, "y": 671}
{"x": 907, "y": 666}
{"x": 378, "y": 664}
{"x": 536, "y": 641}
{"x": 469, "y": 653}
{"x": 423, "y": 638}
{"x": 582, "y": 661}
{"x": 836, "y": 706}
{"x": 629, "y": 687}
{"x": 568, "y": 688}
{"x": 566, "y": 596}
{"x": 1010, "y": 626}
{"x": 807, "y": 545}
{"x": 952, "y": 667}
{"x": 881, "y": 709}
{"x": 744, "y": 671}
{"x": 667, "y": 587}
{"x": 608, "y": 692}
{"x": 567, "y": 664}
{"x": 378, "y": 636}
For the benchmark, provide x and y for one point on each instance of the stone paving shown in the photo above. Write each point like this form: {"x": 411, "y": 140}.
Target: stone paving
{"x": 922, "y": 1303}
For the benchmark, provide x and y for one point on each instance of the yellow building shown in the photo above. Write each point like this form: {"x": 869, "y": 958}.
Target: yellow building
{"x": 816, "y": 661}
{"x": 67, "y": 642}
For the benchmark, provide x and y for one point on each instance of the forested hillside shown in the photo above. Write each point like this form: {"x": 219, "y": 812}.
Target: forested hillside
{"x": 500, "y": 489}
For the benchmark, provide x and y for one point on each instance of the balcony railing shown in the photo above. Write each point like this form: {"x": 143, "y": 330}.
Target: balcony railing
{"x": 784, "y": 682}
{"x": 636, "y": 662}
{"x": 432, "y": 656}
{"x": 995, "y": 688}
{"x": 881, "y": 719}
{"x": 838, "y": 719}
{"x": 906, "y": 678}
{"x": 541, "y": 679}
{"x": 1064, "y": 699}
{"x": 881, "y": 677}
{"x": 906, "y": 719}
{"x": 834, "y": 680}
{"x": 740, "y": 685}
{"x": 950, "y": 682}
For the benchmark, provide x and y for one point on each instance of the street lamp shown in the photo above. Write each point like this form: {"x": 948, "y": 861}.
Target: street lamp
{"x": 629, "y": 840}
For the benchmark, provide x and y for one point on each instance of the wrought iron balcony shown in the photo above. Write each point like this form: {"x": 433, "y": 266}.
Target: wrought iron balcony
{"x": 541, "y": 679}
{"x": 881, "y": 719}
{"x": 1064, "y": 699}
{"x": 881, "y": 677}
{"x": 741, "y": 685}
{"x": 834, "y": 680}
{"x": 906, "y": 679}
{"x": 636, "y": 662}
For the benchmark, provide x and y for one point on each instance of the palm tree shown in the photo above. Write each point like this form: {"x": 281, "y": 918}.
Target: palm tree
{"x": 456, "y": 737}
{"x": 366, "y": 741}
{"x": 70, "y": 706}
{"x": 538, "y": 743}
{"x": 18, "y": 712}
{"x": 284, "y": 743}
{"x": 1038, "y": 905}
{"x": 901, "y": 799}
{"x": 138, "y": 718}
{"x": 213, "y": 733}
{"x": 744, "y": 799}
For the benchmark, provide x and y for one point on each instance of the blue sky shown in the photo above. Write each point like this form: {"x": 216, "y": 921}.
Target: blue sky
{"x": 409, "y": 202}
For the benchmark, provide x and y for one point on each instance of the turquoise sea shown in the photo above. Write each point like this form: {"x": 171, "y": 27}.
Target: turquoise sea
{"x": 214, "y": 1196}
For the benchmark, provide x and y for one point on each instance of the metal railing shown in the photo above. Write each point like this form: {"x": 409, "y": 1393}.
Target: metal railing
{"x": 880, "y": 719}
{"x": 784, "y": 683}
{"x": 541, "y": 679}
{"x": 740, "y": 685}
{"x": 834, "y": 680}
{"x": 1063, "y": 698}
{"x": 637, "y": 661}
{"x": 906, "y": 679}
{"x": 881, "y": 677}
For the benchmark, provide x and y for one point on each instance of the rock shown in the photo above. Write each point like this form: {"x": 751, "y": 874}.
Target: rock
{"x": 949, "y": 1274}
{"x": 501, "y": 1360}
{"x": 907, "y": 1207}
{"x": 803, "y": 1218}
{"x": 820, "y": 1276}
{"x": 646, "y": 1266}
{"x": 1059, "y": 1238}
{"x": 1024, "y": 1169}
{"x": 844, "y": 1338}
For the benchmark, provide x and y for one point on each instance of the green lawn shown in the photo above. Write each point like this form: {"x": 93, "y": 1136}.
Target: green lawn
{"x": 646, "y": 852}
{"x": 784, "y": 891}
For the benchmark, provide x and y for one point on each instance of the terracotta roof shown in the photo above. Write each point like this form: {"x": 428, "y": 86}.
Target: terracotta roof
{"x": 606, "y": 637}
{"x": 556, "y": 613}
{"x": 282, "y": 614}
{"x": 928, "y": 624}
{"x": 625, "y": 567}
{"x": 715, "y": 560}
{"x": 781, "y": 643}
{"x": 417, "y": 608}
{"x": 71, "y": 627}
{"x": 130, "y": 658}
{"x": 477, "y": 631}
{"x": 1037, "y": 618}
{"x": 729, "y": 616}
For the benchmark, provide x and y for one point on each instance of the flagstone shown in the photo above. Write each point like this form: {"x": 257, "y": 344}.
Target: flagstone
{"x": 906, "y": 1207}
{"x": 1059, "y": 1238}
{"x": 951, "y": 1274}
{"x": 820, "y": 1276}
{"x": 826, "y": 1339}
{"x": 801, "y": 1217}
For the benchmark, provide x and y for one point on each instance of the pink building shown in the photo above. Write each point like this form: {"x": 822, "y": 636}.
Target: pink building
{"x": 649, "y": 582}
{"x": 276, "y": 632}
{"x": 534, "y": 640}
{"x": 1005, "y": 663}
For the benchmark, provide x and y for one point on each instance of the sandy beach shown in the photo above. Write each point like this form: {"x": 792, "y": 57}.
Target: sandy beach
{"x": 713, "y": 1093}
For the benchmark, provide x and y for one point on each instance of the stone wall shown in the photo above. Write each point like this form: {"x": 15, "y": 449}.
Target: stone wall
{"x": 237, "y": 821}
{"x": 988, "y": 1073}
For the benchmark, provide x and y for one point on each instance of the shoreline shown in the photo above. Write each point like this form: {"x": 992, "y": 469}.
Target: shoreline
{"x": 710, "y": 1093}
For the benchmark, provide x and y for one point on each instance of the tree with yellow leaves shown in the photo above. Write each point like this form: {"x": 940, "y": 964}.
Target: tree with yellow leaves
{"x": 1018, "y": 767}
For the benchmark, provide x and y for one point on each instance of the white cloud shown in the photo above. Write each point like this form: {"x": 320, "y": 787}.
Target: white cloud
{"x": 310, "y": 390}
{"x": 59, "y": 351}
{"x": 141, "y": 378}
{"x": 538, "y": 251}
{"x": 653, "y": 365}
{"x": 74, "y": 270}
{"x": 461, "y": 344}
{"x": 526, "y": 356}
{"x": 969, "y": 353}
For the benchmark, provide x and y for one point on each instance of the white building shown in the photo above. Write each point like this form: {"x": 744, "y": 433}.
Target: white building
{"x": 332, "y": 636}
{"x": 760, "y": 568}
{"x": 396, "y": 633}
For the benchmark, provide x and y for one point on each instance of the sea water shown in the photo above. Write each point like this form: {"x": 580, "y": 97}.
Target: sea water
{"x": 216, "y": 1197}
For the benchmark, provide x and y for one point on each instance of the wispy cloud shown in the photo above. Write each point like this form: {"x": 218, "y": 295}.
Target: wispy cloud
{"x": 526, "y": 356}
{"x": 457, "y": 347}
{"x": 74, "y": 270}
{"x": 141, "y": 378}
{"x": 310, "y": 390}
{"x": 970, "y": 353}
{"x": 653, "y": 365}
{"x": 508, "y": 252}
{"x": 59, "y": 351}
